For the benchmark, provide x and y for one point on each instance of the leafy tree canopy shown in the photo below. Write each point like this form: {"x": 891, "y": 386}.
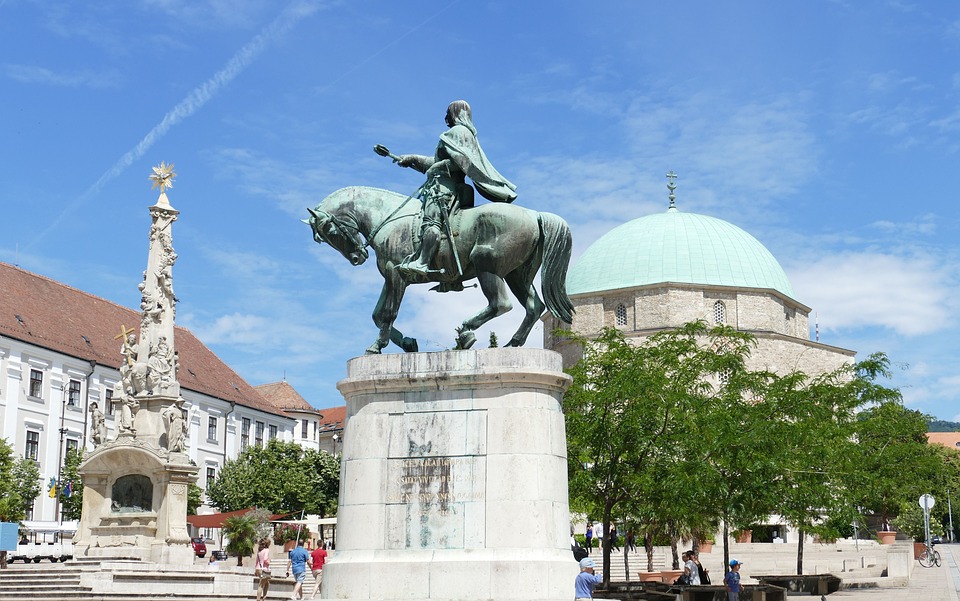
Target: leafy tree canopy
{"x": 281, "y": 477}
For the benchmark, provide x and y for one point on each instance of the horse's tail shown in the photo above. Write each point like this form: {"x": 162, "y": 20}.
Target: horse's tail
{"x": 557, "y": 247}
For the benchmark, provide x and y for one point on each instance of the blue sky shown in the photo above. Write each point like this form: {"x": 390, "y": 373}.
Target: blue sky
{"x": 828, "y": 130}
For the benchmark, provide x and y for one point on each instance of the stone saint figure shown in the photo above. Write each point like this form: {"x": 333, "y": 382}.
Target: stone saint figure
{"x": 126, "y": 408}
{"x": 98, "y": 426}
{"x": 173, "y": 420}
{"x": 161, "y": 365}
{"x": 458, "y": 155}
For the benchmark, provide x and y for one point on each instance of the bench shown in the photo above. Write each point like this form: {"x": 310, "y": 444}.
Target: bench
{"x": 815, "y": 584}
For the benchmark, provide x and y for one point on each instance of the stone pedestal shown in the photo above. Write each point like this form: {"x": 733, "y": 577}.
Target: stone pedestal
{"x": 143, "y": 518}
{"x": 453, "y": 478}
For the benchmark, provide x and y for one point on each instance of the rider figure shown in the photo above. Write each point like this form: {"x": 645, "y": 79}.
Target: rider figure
{"x": 445, "y": 191}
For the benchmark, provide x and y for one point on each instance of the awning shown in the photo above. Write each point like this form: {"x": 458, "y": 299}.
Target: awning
{"x": 311, "y": 522}
{"x": 215, "y": 520}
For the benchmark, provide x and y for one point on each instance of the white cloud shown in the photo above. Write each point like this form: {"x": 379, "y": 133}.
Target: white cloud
{"x": 908, "y": 295}
{"x": 71, "y": 79}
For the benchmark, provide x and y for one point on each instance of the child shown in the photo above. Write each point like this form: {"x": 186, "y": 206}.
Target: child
{"x": 732, "y": 581}
{"x": 586, "y": 581}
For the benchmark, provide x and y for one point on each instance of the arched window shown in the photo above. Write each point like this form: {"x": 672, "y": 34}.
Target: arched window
{"x": 621, "y": 313}
{"x": 719, "y": 313}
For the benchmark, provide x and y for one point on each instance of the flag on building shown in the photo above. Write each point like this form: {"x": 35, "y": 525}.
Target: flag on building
{"x": 53, "y": 488}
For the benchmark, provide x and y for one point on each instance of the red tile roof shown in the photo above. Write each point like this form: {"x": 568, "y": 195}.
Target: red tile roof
{"x": 947, "y": 439}
{"x": 283, "y": 396}
{"x": 52, "y": 315}
{"x": 333, "y": 418}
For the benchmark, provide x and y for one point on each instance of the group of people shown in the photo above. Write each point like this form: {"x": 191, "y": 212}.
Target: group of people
{"x": 596, "y": 531}
{"x": 298, "y": 560}
{"x": 693, "y": 574}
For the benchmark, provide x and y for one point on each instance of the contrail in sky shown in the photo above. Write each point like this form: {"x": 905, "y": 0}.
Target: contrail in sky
{"x": 195, "y": 100}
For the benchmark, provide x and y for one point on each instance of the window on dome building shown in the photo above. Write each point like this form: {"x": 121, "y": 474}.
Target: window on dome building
{"x": 244, "y": 432}
{"x": 273, "y": 431}
{"x": 719, "y": 313}
{"x": 621, "y": 315}
{"x": 258, "y": 439}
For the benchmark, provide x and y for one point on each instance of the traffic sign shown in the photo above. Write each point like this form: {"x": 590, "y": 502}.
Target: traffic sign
{"x": 926, "y": 501}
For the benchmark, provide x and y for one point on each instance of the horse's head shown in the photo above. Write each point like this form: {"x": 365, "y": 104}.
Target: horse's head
{"x": 343, "y": 237}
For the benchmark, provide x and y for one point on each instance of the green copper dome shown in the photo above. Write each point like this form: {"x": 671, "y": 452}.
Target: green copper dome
{"x": 676, "y": 247}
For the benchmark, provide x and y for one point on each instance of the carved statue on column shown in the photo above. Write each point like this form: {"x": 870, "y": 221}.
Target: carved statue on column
{"x": 174, "y": 422}
{"x": 98, "y": 426}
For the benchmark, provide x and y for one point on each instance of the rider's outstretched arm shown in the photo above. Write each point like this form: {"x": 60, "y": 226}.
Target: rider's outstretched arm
{"x": 416, "y": 161}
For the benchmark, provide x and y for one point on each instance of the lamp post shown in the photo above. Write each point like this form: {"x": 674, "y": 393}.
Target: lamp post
{"x": 336, "y": 438}
{"x": 57, "y": 509}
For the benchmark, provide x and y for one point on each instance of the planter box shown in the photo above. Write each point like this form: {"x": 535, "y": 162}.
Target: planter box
{"x": 669, "y": 576}
{"x": 649, "y": 577}
{"x": 886, "y": 537}
{"x": 745, "y": 537}
{"x": 706, "y": 547}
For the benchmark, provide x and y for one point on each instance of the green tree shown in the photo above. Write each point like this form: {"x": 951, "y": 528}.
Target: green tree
{"x": 282, "y": 477}
{"x": 627, "y": 413}
{"x": 893, "y": 462}
{"x": 26, "y": 481}
{"x": 72, "y": 504}
{"x": 194, "y": 498}
{"x": 11, "y": 503}
{"x": 241, "y": 533}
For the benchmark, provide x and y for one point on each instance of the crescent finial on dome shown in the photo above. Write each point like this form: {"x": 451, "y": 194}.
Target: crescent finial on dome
{"x": 672, "y": 185}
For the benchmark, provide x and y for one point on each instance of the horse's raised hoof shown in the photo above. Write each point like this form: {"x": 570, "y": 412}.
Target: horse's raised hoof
{"x": 465, "y": 340}
{"x": 409, "y": 345}
{"x": 373, "y": 349}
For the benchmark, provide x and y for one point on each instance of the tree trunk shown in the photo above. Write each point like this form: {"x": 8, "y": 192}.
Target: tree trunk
{"x": 648, "y": 547}
{"x": 3, "y": 560}
{"x": 607, "y": 511}
{"x": 626, "y": 553}
{"x": 674, "y": 539}
{"x": 726, "y": 548}
{"x": 800, "y": 552}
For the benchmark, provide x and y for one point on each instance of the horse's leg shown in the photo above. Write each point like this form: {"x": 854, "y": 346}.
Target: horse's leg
{"x": 522, "y": 287}
{"x": 385, "y": 314}
{"x": 498, "y": 303}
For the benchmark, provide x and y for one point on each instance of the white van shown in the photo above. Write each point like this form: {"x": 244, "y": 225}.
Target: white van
{"x": 44, "y": 540}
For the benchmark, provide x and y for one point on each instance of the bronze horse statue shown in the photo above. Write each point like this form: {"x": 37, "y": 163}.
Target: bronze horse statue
{"x": 500, "y": 244}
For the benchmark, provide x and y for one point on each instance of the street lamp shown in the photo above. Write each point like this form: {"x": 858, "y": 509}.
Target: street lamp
{"x": 336, "y": 438}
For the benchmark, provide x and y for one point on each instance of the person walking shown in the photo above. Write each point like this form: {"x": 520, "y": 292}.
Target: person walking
{"x": 586, "y": 581}
{"x": 690, "y": 570}
{"x": 262, "y": 569}
{"x": 319, "y": 557}
{"x": 589, "y": 536}
{"x": 732, "y": 581}
{"x": 613, "y": 537}
{"x": 297, "y": 562}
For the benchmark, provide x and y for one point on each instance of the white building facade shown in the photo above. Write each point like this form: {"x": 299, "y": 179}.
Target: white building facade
{"x": 59, "y": 356}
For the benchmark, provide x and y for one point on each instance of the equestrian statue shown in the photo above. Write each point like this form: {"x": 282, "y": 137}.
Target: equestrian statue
{"x": 441, "y": 237}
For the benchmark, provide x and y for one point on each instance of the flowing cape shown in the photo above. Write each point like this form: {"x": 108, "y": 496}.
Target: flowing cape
{"x": 463, "y": 148}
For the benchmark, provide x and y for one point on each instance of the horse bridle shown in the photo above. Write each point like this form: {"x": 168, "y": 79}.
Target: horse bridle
{"x": 369, "y": 239}
{"x": 338, "y": 223}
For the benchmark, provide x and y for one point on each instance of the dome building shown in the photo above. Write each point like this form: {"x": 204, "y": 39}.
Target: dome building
{"x": 663, "y": 270}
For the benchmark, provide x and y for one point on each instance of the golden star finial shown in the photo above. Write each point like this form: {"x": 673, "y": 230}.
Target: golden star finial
{"x": 162, "y": 176}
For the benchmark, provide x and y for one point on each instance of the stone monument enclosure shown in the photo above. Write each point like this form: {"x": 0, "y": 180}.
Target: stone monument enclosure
{"x": 453, "y": 478}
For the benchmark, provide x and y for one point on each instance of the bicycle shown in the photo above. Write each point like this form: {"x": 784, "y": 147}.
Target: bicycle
{"x": 929, "y": 557}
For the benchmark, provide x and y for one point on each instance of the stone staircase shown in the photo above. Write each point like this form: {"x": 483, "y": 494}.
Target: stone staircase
{"x": 62, "y": 582}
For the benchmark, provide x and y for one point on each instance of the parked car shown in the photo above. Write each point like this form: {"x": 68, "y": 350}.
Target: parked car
{"x": 199, "y": 547}
{"x": 936, "y": 540}
{"x": 220, "y": 555}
